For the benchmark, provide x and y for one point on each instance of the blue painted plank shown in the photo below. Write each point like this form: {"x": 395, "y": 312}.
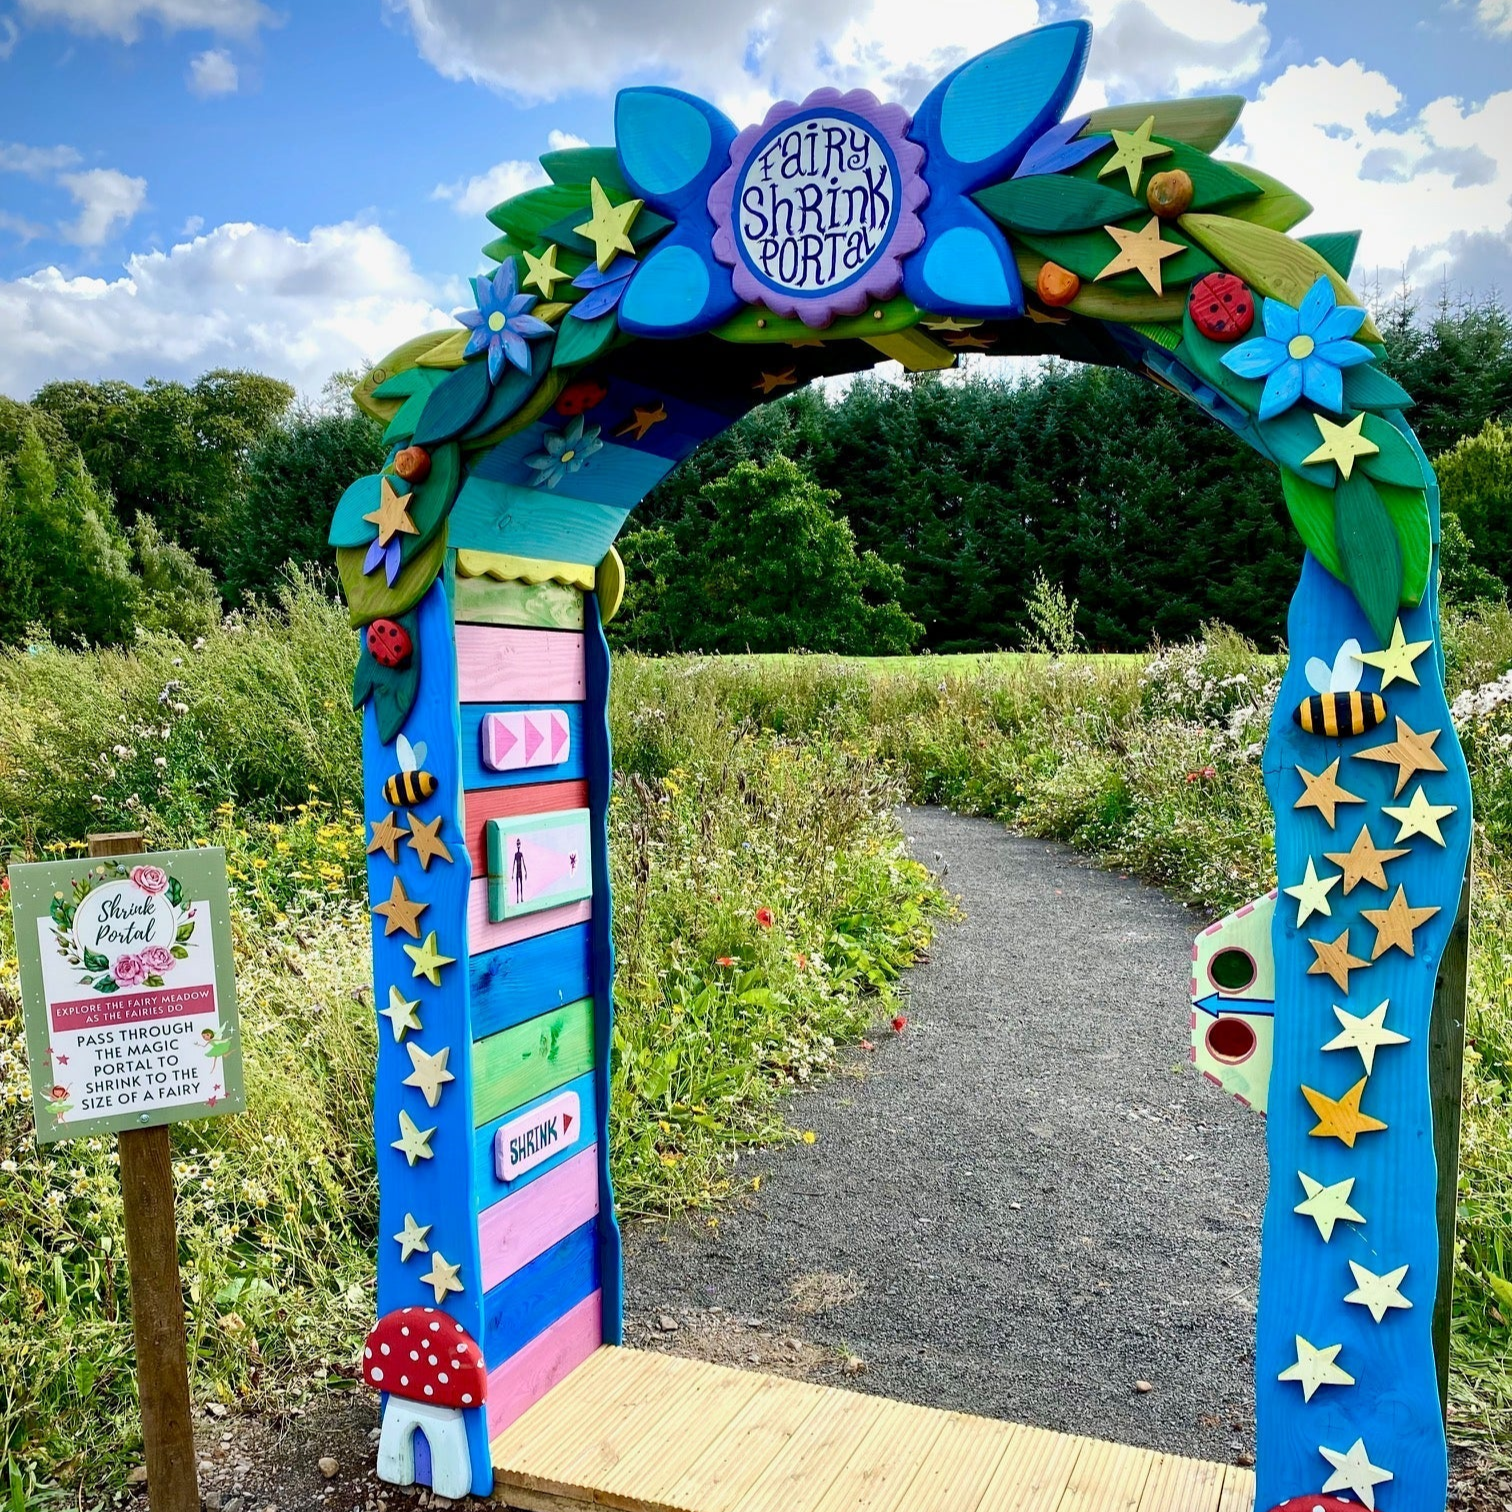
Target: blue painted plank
{"x": 487, "y": 1189}
{"x": 617, "y": 475}
{"x": 532, "y": 1299}
{"x": 535, "y": 522}
{"x": 475, "y": 775}
{"x": 517, "y": 982}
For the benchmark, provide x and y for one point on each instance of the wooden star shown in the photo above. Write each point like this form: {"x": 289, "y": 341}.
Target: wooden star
{"x": 1364, "y": 861}
{"x": 1419, "y": 817}
{"x": 442, "y": 1276}
{"x": 1408, "y": 753}
{"x": 1395, "y": 923}
{"x": 413, "y": 1143}
{"x": 1341, "y": 1118}
{"x": 386, "y": 836}
{"x": 642, "y": 418}
{"x": 1323, "y": 791}
{"x": 426, "y": 842}
{"x": 806, "y": 341}
{"x": 400, "y": 912}
{"x": 1397, "y": 659}
{"x": 1314, "y": 1368}
{"x": 1327, "y": 1205}
{"x": 949, "y": 323}
{"x": 392, "y": 514}
{"x": 1140, "y": 251}
{"x": 769, "y": 383}
{"x": 430, "y": 1073}
{"x": 402, "y": 1014}
{"x": 544, "y": 273}
{"x": 1366, "y": 1035}
{"x": 609, "y": 226}
{"x": 970, "y": 343}
{"x": 1130, "y": 149}
{"x": 411, "y": 1239}
{"x": 1354, "y": 1472}
{"x": 1379, "y": 1293}
{"x": 1045, "y": 317}
{"x": 429, "y": 961}
{"x": 1312, "y": 893}
{"x": 1342, "y": 443}
{"x": 1333, "y": 960}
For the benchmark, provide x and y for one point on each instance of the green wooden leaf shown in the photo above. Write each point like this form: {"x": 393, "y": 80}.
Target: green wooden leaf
{"x": 1167, "y": 336}
{"x": 1395, "y": 462}
{"x": 1408, "y": 508}
{"x": 501, "y": 248}
{"x": 455, "y": 403}
{"x": 1369, "y": 552}
{"x": 513, "y": 389}
{"x": 368, "y": 595}
{"x": 1278, "y": 208}
{"x": 756, "y": 324}
{"x": 432, "y": 501}
{"x": 1202, "y": 123}
{"x": 1205, "y": 358}
{"x": 392, "y": 690}
{"x": 1214, "y": 184}
{"x": 413, "y": 389}
{"x": 580, "y": 341}
{"x": 1087, "y": 253}
{"x": 1054, "y": 202}
{"x": 1312, "y": 512}
{"x": 1336, "y": 248}
{"x": 1366, "y": 387}
{"x": 1293, "y": 435}
{"x": 581, "y": 165}
{"x": 524, "y": 217}
{"x": 646, "y": 228}
{"x": 399, "y": 360}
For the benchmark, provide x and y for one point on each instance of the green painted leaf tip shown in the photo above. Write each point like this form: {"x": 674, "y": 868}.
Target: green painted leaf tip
{"x": 1369, "y": 552}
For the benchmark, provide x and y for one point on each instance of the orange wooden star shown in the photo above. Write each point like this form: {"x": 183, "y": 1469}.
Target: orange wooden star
{"x": 970, "y": 343}
{"x": 1141, "y": 252}
{"x": 1394, "y": 924}
{"x": 1334, "y": 960}
{"x": 1408, "y": 753}
{"x": 426, "y": 842}
{"x": 769, "y": 383}
{"x": 1341, "y": 1118}
{"x": 392, "y": 514}
{"x": 1364, "y": 861}
{"x": 386, "y": 836}
{"x": 1323, "y": 791}
{"x": 641, "y": 420}
{"x": 400, "y": 912}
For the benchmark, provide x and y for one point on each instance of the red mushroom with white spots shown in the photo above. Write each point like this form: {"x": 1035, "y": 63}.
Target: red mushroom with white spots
{"x": 1316, "y": 1504}
{"x": 432, "y": 1370}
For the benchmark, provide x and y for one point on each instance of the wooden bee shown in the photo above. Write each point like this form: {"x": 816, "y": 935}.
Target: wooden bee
{"x": 1337, "y": 707}
{"x": 409, "y": 785}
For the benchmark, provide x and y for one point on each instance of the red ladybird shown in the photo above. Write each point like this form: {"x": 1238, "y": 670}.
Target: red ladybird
{"x": 389, "y": 644}
{"x": 580, "y": 397}
{"x": 1223, "y": 308}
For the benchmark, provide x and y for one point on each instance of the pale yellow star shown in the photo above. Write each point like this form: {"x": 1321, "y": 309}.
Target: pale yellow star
{"x": 1419, "y": 817}
{"x": 430, "y": 1073}
{"x": 1342, "y": 444}
{"x": 413, "y": 1143}
{"x": 609, "y": 226}
{"x": 1312, "y": 893}
{"x": 1378, "y": 1293}
{"x": 1315, "y": 1368}
{"x": 392, "y": 514}
{"x": 402, "y": 1014}
{"x": 1354, "y": 1472}
{"x": 1397, "y": 659}
{"x": 1395, "y": 924}
{"x": 1366, "y": 1035}
{"x": 1130, "y": 149}
{"x": 1140, "y": 251}
{"x": 428, "y": 960}
{"x": 1340, "y": 1117}
{"x": 1327, "y": 1205}
{"x": 544, "y": 273}
{"x": 411, "y": 1239}
{"x": 442, "y": 1276}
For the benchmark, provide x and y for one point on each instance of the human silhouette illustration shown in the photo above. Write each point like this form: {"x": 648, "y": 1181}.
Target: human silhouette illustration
{"x": 519, "y": 871}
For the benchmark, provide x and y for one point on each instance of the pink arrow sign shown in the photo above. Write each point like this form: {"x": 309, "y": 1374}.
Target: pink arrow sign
{"x": 510, "y": 741}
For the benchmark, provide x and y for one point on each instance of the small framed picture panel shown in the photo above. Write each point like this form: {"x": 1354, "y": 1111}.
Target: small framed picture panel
{"x": 538, "y": 861}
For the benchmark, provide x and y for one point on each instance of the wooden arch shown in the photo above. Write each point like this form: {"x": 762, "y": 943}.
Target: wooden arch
{"x": 644, "y": 299}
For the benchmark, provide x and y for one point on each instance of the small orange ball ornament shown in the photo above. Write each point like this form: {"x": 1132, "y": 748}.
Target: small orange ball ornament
{"x": 1169, "y": 194}
{"x": 1056, "y": 285}
{"x": 413, "y": 464}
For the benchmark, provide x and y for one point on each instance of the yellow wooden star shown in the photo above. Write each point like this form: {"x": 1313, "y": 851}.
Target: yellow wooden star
{"x": 1130, "y": 149}
{"x": 1327, "y": 1205}
{"x": 1314, "y": 1368}
{"x": 544, "y": 273}
{"x": 400, "y": 912}
{"x": 1342, "y": 444}
{"x": 770, "y": 382}
{"x": 1366, "y": 1035}
{"x": 1408, "y": 753}
{"x": 1333, "y": 960}
{"x": 442, "y": 1276}
{"x": 642, "y": 418}
{"x": 392, "y": 514}
{"x": 428, "y": 960}
{"x": 1378, "y": 1293}
{"x": 1397, "y": 659}
{"x": 411, "y": 1239}
{"x": 413, "y": 1143}
{"x": 430, "y": 1073}
{"x": 426, "y": 842}
{"x": 1395, "y": 923}
{"x": 609, "y": 226}
{"x": 1323, "y": 791}
{"x": 1312, "y": 893}
{"x": 402, "y": 1014}
{"x": 1140, "y": 251}
{"x": 1341, "y": 1118}
{"x": 1364, "y": 861}
{"x": 1419, "y": 817}
{"x": 948, "y": 323}
{"x": 386, "y": 836}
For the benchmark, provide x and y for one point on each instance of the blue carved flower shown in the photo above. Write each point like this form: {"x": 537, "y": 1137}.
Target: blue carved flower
{"x": 565, "y": 452}
{"x": 501, "y": 324}
{"x": 1303, "y": 352}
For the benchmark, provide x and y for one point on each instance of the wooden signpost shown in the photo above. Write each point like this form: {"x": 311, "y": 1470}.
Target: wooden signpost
{"x": 130, "y": 1006}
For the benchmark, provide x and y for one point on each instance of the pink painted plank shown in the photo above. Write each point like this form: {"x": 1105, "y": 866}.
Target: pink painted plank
{"x": 483, "y": 934}
{"x": 528, "y": 1374}
{"x": 513, "y": 1232}
{"x": 483, "y": 804}
{"x": 500, "y": 664}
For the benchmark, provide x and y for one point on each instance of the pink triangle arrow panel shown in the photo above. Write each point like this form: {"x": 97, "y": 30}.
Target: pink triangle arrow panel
{"x": 516, "y": 740}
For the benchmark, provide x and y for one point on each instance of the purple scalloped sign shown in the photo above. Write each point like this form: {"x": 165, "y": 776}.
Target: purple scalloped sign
{"x": 819, "y": 205}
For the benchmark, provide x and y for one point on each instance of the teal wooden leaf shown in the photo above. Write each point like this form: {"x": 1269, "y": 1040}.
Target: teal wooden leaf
{"x": 1366, "y": 387}
{"x": 414, "y": 386}
{"x": 1369, "y": 552}
{"x": 512, "y": 390}
{"x": 455, "y": 404}
{"x": 524, "y": 217}
{"x": 579, "y": 166}
{"x": 1054, "y": 202}
{"x": 1336, "y": 248}
{"x": 1395, "y": 462}
{"x": 580, "y": 341}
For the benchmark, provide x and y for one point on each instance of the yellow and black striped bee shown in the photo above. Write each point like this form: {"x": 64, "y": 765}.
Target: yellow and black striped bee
{"x": 409, "y": 785}
{"x": 1337, "y": 707}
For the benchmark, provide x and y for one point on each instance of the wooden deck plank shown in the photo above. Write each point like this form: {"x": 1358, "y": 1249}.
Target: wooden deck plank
{"x": 957, "y": 1470}
{"x": 1107, "y": 1478}
{"x": 804, "y": 1468}
{"x": 1238, "y": 1491}
{"x": 1182, "y": 1485}
{"x": 877, "y": 1476}
{"x": 1032, "y": 1475}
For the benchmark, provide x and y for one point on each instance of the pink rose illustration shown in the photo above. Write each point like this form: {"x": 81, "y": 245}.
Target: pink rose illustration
{"x": 151, "y": 879}
{"x": 157, "y": 959}
{"x": 130, "y": 971}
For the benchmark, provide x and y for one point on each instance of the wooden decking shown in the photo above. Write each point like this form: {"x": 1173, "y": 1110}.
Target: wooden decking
{"x": 654, "y": 1433}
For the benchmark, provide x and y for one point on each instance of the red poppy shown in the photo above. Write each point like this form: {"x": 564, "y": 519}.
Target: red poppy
{"x": 724, "y": 960}
{"x": 764, "y": 918}
{"x": 900, "y": 1023}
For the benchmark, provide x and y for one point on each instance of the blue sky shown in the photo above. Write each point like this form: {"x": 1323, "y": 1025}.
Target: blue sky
{"x": 298, "y": 186}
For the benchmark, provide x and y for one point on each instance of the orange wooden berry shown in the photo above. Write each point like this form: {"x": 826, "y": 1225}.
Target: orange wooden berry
{"x": 1057, "y": 285}
{"x": 413, "y": 464}
{"x": 1170, "y": 194}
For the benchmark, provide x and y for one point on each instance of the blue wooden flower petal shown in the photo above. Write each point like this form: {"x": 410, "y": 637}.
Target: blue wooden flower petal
{"x": 678, "y": 290}
{"x": 1059, "y": 149}
{"x": 965, "y": 269}
{"x": 672, "y": 145}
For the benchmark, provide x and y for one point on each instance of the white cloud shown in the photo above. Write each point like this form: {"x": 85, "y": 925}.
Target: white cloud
{"x": 193, "y": 226}
{"x": 1495, "y": 16}
{"x": 18, "y": 226}
{"x": 106, "y": 197}
{"x": 558, "y": 141}
{"x": 10, "y": 34}
{"x": 212, "y": 72}
{"x": 241, "y": 296}
{"x": 479, "y": 194}
{"x": 122, "y": 19}
{"x": 35, "y": 162}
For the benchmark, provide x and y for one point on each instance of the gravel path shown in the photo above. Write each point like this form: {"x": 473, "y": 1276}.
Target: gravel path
{"x": 1021, "y": 1206}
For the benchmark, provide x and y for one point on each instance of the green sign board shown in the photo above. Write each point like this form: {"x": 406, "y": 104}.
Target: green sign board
{"x": 128, "y": 991}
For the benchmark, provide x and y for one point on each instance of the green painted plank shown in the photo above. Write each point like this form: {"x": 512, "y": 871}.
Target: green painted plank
{"x": 517, "y": 1065}
{"x": 542, "y": 606}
